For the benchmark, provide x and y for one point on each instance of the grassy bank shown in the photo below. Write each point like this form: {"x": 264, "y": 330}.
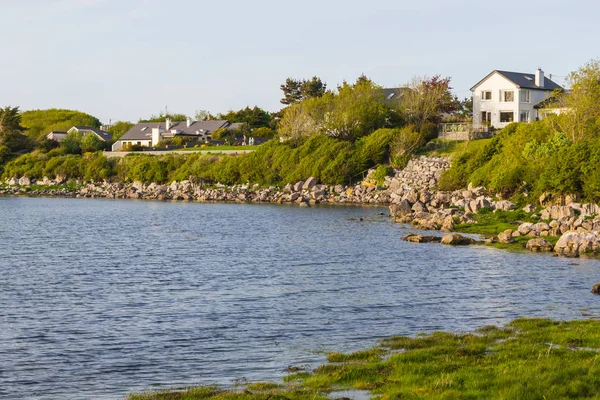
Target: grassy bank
{"x": 526, "y": 359}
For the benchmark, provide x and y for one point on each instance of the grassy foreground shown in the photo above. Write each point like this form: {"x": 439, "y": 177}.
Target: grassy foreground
{"x": 526, "y": 359}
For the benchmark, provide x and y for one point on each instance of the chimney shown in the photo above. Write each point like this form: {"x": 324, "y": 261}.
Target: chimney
{"x": 189, "y": 122}
{"x": 539, "y": 78}
{"x": 168, "y": 123}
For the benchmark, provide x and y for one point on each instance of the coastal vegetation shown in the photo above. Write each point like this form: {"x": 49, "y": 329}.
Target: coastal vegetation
{"x": 38, "y": 123}
{"x": 329, "y": 160}
{"x": 334, "y": 136}
{"x": 526, "y": 359}
{"x": 559, "y": 154}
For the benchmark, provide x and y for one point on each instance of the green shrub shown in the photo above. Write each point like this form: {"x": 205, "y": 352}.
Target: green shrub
{"x": 380, "y": 173}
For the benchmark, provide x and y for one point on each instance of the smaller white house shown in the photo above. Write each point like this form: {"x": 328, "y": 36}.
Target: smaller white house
{"x": 82, "y": 131}
{"x": 503, "y": 97}
{"x": 57, "y": 136}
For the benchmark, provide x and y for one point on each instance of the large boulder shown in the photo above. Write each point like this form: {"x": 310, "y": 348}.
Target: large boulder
{"x": 24, "y": 181}
{"x": 506, "y": 237}
{"x": 309, "y": 183}
{"x": 504, "y": 205}
{"x": 298, "y": 186}
{"x": 412, "y": 196}
{"x": 448, "y": 224}
{"x": 419, "y": 207}
{"x": 572, "y": 243}
{"x": 538, "y": 244}
{"x": 421, "y": 238}
{"x": 456, "y": 240}
{"x": 401, "y": 209}
{"x": 558, "y": 212}
{"x": 525, "y": 228}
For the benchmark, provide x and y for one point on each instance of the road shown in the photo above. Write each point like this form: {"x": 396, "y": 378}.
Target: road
{"x": 163, "y": 152}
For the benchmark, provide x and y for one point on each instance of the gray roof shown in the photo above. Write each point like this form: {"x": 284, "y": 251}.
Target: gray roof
{"x": 100, "y": 133}
{"x": 393, "y": 94}
{"x": 143, "y": 130}
{"x": 523, "y": 80}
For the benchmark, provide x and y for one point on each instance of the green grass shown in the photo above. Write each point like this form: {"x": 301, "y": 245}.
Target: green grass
{"x": 527, "y": 359}
{"x": 492, "y": 223}
{"x": 447, "y": 148}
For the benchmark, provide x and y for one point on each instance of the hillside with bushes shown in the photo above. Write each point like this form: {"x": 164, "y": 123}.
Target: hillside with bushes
{"x": 38, "y": 123}
{"x": 559, "y": 154}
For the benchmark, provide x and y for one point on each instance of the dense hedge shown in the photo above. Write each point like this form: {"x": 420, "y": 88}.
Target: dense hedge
{"x": 530, "y": 158}
{"x": 331, "y": 161}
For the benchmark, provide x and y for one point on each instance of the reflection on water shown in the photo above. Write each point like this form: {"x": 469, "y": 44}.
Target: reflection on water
{"x": 103, "y": 297}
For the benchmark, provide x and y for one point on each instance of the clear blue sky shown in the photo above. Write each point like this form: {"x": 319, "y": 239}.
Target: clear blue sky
{"x": 127, "y": 59}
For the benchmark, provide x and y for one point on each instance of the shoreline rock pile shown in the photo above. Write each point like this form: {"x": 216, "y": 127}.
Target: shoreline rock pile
{"x": 410, "y": 194}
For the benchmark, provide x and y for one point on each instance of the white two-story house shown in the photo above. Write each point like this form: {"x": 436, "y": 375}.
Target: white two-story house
{"x": 503, "y": 97}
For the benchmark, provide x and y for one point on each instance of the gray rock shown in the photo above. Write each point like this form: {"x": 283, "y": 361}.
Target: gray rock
{"x": 538, "y": 244}
{"x": 24, "y": 181}
{"x": 298, "y": 186}
{"x": 558, "y": 212}
{"x": 525, "y": 228}
{"x": 504, "y": 205}
{"x": 575, "y": 243}
{"x": 419, "y": 207}
{"x": 457, "y": 240}
{"x": 506, "y": 237}
{"x": 421, "y": 238}
{"x": 401, "y": 209}
{"x": 309, "y": 183}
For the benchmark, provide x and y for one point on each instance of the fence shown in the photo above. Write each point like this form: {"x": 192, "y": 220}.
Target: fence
{"x": 462, "y": 131}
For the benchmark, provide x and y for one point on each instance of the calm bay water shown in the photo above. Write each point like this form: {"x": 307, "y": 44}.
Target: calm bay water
{"x": 99, "y": 297}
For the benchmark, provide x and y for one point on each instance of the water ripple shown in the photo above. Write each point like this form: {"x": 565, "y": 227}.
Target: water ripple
{"x": 101, "y": 297}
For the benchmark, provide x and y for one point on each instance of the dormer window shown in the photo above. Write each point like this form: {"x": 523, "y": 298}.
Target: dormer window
{"x": 486, "y": 95}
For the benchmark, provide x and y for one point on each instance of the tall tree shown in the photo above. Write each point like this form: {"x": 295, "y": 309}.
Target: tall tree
{"x": 10, "y": 119}
{"x": 11, "y": 131}
{"x": 581, "y": 118}
{"x": 255, "y": 117}
{"x": 355, "y": 111}
{"x": 297, "y": 90}
{"x": 119, "y": 128}
{"x": 313, "y": 87}
{"x": 426, "y": 99}
{"x": 291, "y": 91}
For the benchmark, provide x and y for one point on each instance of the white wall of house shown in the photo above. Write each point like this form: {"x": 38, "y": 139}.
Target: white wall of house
{"x": 118, "y": 145}
{"x": 504, "y": 107}
{"x": 496, "y": 85}
{"x": 58, "y": 136}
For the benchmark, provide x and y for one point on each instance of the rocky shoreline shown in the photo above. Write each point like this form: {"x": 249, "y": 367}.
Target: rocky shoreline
{"x": 410, "y": 195}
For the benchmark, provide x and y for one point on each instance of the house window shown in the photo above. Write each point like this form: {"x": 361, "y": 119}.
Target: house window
{"x": 507, "y": 116}
{"x": 486, "y": 95}
{"x": 486, "y": 116}
{"x": 524, "y": 116}
{"x": 524, "y": 94}
{"x": 507, "y": 96}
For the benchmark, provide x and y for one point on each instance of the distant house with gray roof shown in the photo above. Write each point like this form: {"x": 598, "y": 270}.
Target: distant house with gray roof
{"x": 503, "y": 97}
{"x": 392, "y": 96}
{"x": 150, "y": 133}
{"x": 81, "y": 130}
